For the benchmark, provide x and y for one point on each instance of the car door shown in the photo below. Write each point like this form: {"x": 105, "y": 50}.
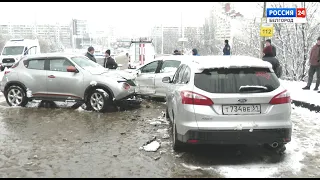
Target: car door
{"x": 35, "y": 76}
{"x": 63, "y": 84}
{"x": 172, "y": 87}
{"x": 167, "y": 69}
{"x": 146, "y": 78}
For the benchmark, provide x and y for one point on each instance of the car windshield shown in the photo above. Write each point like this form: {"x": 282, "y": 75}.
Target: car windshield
{"x": 12, "y": 50}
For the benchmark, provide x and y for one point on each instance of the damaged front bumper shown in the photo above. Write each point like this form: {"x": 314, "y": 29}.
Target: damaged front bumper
{"x": 130, "y": 101}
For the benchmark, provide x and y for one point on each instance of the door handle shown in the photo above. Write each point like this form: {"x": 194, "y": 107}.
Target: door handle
{"x": 51, "y": 76}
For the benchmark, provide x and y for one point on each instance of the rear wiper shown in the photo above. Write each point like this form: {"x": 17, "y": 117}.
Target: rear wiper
{"x": 253, "y": 89}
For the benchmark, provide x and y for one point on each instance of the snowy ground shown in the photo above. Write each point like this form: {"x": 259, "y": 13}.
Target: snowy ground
{"x": 298, "y": 94}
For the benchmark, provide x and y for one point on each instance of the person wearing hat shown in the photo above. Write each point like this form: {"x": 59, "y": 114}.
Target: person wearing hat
{"x": 176, "y": 52}
{"x": 269, "y": 57}
{"x": 90, "y": 55}
{"x": 195, "y": 52}
{"x": 274, "y": 50}
{"x": 314, "y": 63}
{"x": 226, "y": 49}
{"x": 109, "y": 62}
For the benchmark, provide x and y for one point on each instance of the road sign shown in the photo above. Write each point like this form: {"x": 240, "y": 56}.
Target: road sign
{"x": 266, "y": 29}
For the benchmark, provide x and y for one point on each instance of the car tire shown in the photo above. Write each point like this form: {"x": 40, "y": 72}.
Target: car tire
{"x": 12, "y": 95}
{"x": 98, "y": 101}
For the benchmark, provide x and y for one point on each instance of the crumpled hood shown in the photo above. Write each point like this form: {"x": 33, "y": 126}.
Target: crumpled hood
{"x": 110, "y": 73}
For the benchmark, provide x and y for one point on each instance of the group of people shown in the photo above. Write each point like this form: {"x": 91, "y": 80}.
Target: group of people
{"x": 194, "y": 52}
{"x": 108, "y": 62}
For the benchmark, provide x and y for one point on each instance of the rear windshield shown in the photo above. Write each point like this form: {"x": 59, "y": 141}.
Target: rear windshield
{"x": 231, "y": 80}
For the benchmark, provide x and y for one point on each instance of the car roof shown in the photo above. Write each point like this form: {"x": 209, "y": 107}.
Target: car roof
{"x": 44, "y": 55}
{"x": 205, "y": 62}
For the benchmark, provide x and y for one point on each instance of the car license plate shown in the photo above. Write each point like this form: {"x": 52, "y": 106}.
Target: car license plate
{"x": 241, "y": 109}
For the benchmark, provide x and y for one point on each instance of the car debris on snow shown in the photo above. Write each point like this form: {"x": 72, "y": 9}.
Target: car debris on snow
{"x": 165, "y": 136}
{"x": 29, "y": 93}
{"x": 157, "y": 158}
{"x": 152, "y": 147}
{"x": 93, "y": 83}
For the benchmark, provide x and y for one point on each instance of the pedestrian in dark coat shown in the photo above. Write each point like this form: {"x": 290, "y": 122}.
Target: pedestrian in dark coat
{"x": 90, "y": 55}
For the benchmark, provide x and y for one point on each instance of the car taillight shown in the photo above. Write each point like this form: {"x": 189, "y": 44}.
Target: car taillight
{"x": 281, "y": 98}
{"x": 189, "y": 97}
{"x": 126, "y": 86}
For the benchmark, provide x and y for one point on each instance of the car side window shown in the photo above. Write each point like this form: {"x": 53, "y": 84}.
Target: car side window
{"x": 35, "y": 64}
{"x": 59, "y": 65}
{"x": 178, "y": 75}
{"x": 150, "y": 68}
{"x": 186, "y": 76}
{"x": 169, "y": 66}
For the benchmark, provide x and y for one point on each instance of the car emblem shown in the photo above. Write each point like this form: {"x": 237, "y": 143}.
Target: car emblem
{"x": 242, "y": 100}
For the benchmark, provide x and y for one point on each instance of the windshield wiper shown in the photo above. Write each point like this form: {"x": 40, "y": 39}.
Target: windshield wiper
{"x": 253, "y": 89}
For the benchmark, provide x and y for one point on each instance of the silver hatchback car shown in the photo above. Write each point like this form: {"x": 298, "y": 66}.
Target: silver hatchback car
{"x": 63, "y": 77}
{"x": 228, "y": 100}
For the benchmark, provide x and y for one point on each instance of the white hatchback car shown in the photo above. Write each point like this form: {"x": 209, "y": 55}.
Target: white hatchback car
{"x": 228, "y": 100}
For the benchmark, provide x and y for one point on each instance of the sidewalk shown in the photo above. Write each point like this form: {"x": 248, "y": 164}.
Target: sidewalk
{"x": 306, "y": 98}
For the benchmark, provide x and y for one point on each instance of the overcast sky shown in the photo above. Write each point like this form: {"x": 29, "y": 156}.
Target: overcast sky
{"x": 129, "y": 18}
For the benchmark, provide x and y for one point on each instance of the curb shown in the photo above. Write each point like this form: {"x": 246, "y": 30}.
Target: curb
{"x": 311, "y": 107}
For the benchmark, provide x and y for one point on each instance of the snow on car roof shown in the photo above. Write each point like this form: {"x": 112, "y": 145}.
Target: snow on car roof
{"x": 205, "y": 62}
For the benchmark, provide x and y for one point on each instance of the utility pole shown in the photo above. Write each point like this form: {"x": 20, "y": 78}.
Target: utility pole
{"x": 263, "y": 39}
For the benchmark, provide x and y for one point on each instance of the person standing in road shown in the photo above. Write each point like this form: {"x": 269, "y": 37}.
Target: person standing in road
{"x": 90, "y": 55}
{"x": 227, "y": 48}
{"x": 109, "y": 62}
{"x": 274, "y": 50}
{"x": 314, "y": 63}
{"x": 176, "y": 52}
{"x": 268, "y": 56}
{"x": 195, "y": 52}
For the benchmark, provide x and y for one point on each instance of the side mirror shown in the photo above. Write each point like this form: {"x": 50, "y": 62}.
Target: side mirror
{"x": 72, "y": 69}
{"x": 166, "y": 80}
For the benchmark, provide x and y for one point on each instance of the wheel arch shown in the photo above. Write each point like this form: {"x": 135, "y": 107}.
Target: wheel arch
{"x": 14, "y": 83}
{"x": 98, "y": 86}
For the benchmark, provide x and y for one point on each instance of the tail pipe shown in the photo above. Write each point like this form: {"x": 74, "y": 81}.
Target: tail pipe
{"x": 274, "y": 145}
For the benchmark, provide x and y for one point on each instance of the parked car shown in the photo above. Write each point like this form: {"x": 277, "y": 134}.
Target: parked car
{"x": 62, "y": 77}
{"x": 228, "y": 100}
{"x": 149, "y": 76}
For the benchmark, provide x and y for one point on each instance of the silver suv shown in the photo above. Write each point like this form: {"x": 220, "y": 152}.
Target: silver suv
{"x": 62, "y": 77}
{"x": 228, "y": 100}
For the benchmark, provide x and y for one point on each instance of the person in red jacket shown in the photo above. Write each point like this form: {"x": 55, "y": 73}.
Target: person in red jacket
{"x": 314, "y": 62}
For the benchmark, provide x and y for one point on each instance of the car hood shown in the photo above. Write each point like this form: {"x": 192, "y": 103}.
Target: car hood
{"x": 111, "y": 73}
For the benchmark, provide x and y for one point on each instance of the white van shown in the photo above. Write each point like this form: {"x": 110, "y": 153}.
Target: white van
{"x": 141, "y": 51}
{"x": 14, "y": 49}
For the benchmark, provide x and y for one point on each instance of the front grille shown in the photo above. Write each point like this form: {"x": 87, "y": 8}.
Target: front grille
{"x": 8, "y": 60}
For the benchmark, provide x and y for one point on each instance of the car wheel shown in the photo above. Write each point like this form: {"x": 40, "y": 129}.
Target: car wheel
{"x": 98, "y": 101}
{"x": 16, "y": 96}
